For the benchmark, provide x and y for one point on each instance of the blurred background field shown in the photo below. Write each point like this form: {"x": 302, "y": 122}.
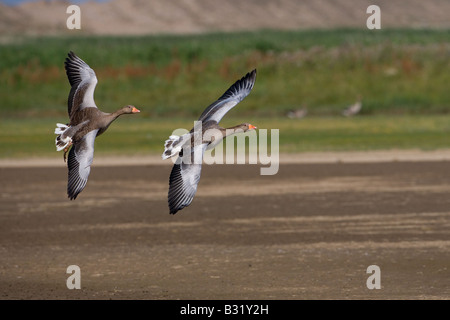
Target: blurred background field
{"x": 401, "y": 75}
{"x": 138, "y": 136}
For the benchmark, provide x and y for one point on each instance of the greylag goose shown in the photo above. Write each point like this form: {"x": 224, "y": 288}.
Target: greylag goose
{"x": 353, "y": 109}
{"x": 86, "y": 122}
{"x": 298, "y": 113}
{"x": 185, "y": 175}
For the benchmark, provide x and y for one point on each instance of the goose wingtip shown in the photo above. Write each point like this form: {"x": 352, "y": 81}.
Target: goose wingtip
{"x": 251, "y": 76}
{"x": 174, "y": 209}
{"x": 252, "y": 73}
{"x": 72, "y": 197}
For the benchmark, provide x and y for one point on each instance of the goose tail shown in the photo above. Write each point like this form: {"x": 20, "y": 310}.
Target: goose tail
{"x": 61, "y": 140}
{"x": 172, "y": 146}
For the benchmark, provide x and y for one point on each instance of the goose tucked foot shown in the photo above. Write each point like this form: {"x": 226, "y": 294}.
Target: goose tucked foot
{"x": 67, "y": 150}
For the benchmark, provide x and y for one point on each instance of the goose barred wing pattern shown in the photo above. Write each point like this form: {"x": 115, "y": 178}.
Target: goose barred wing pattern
{"x": 235, "y": 94}
{"x": 184, "y": 180}
{"x": 83, "y": 82}
{"x": 79, "y": 163}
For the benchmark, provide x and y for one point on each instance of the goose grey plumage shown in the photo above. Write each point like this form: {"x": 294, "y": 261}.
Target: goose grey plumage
{"x": 297, "y": 113}
{"x": 185, "y": 175}
{"x": 353, "y": 109}
{"x": 86, "y": 122}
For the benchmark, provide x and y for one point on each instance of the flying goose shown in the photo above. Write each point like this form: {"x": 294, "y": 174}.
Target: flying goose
{"x": 186, "y": 171}
{"x": 353, "y": 109}
{"x": 86, "y": 122}
{"x": 298, "y": 113}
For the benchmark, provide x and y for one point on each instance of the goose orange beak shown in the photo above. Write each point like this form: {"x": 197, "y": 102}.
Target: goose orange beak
{"x": 135, "y": 110}
{"x": 251, "y": 127}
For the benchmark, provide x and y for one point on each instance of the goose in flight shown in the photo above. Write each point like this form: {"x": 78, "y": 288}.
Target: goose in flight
{"x": 353, "y": 109}
{"x": 298, "y": 113}
{"x": 86, "y": 122}
{"x": 185, "y": 174}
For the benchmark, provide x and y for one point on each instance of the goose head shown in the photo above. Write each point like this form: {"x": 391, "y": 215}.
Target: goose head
{"x": 130, "y": 109}
{"x": 247, "y": 127}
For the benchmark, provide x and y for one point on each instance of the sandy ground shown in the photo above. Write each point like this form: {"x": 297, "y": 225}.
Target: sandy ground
{"x": 308, "y": 232}
{"x": 136, "y": 17}
{"x": 404, "y": 155}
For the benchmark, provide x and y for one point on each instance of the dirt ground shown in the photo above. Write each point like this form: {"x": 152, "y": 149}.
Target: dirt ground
{"x": 125, "y": 17}
{"x": 308, "y": 232}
